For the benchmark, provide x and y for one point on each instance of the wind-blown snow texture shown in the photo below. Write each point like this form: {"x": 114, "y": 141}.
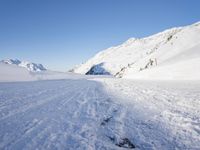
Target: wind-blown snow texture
{"x": 173, "y": 54}
{"x": 99, "y": 114}
{"x": 28, "y": 65}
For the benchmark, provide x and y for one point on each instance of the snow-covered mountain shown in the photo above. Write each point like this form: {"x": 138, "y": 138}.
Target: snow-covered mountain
{"x": 13, "y": 73}
{"x": 171, "y": 54}
{"x": 28, "y": 65}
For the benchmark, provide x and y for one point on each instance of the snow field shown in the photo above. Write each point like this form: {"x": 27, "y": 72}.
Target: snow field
{"x": 99, "y": 114}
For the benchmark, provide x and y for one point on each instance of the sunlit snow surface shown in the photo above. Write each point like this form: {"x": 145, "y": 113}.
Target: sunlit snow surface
{"x": 99, "y": 114}
{"x": 173, "y": 54}
{"x": 72, "y": 111}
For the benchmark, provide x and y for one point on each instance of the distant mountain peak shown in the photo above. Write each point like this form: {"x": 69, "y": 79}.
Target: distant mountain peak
{"x": 11, "y": 61}
{"x": 34, "y": 67}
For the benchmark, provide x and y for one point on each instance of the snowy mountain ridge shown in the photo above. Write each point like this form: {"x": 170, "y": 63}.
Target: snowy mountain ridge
{"x": 33, "y": 67}
{"x": 165, "y": 55}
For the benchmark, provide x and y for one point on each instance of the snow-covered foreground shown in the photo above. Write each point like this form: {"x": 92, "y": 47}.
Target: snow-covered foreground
{"x": 99, "y": 114}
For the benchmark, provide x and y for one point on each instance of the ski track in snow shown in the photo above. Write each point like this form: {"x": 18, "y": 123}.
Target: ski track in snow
{"x": 101, "y": 114}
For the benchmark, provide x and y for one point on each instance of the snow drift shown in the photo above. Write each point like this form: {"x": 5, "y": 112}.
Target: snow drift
{"x": 12, "y": 73}
{"x": 172, "y": 54}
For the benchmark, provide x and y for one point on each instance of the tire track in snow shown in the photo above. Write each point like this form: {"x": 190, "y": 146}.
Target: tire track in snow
{"x": 57, "y": 93}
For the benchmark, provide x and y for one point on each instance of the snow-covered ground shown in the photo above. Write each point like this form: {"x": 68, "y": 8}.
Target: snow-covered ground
{"x": 159, "y": 114}
{"x": 55, "y": 110}
{"x": 99, "y": 114}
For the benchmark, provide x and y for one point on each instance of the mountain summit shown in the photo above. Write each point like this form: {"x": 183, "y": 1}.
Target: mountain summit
{"x": 171, "y": 54}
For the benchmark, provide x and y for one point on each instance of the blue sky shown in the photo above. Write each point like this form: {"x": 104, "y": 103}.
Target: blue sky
{"x": 63, "y": 33}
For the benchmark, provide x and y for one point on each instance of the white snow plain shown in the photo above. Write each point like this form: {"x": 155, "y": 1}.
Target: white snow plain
{"x": 100, "y": 114}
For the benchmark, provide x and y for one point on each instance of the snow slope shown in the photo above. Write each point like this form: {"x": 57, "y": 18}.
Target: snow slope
{"x": 172, "y": 54}
{"x": 14, "y": 73}
{"x": 108, "y": 114}
{"x": 11, "y": 73}
{"x": 28, "y": 65}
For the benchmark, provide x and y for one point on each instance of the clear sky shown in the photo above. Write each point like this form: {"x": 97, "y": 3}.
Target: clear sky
{"x": 63, "y": 33}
